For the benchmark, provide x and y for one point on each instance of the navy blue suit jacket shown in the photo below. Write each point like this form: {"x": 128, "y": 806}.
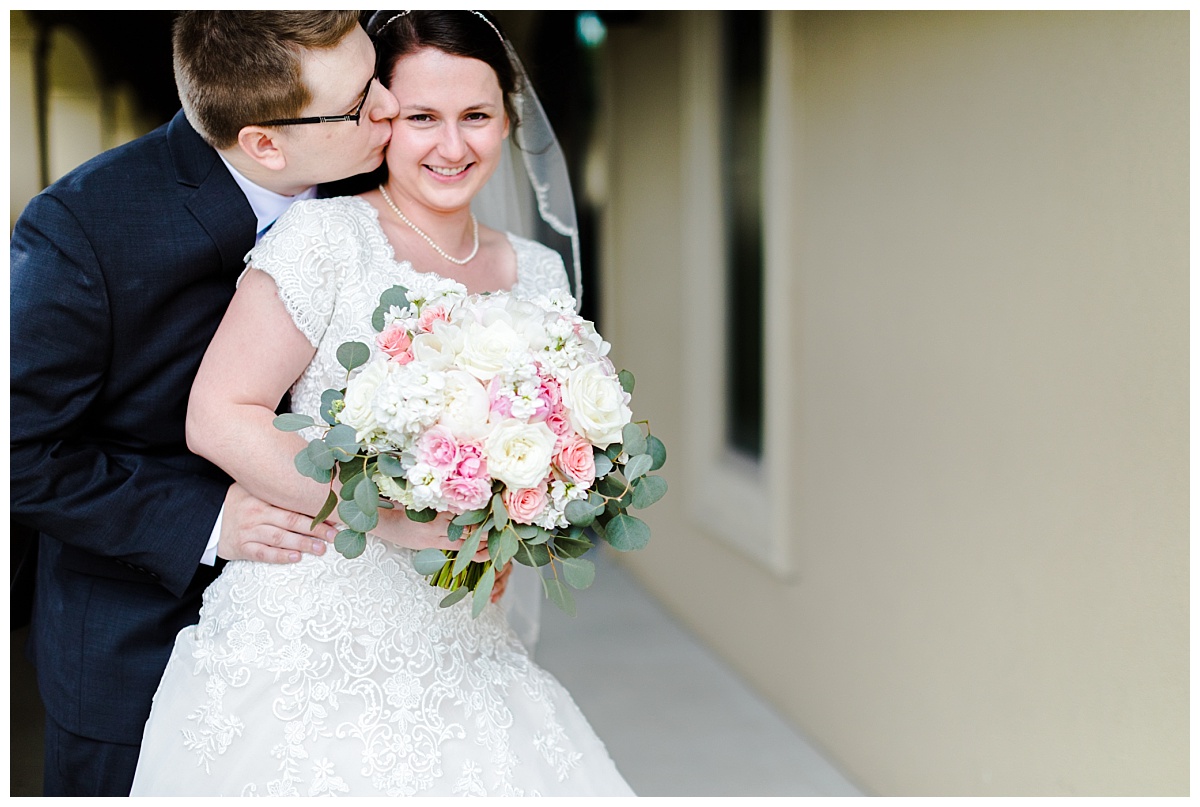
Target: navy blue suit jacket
{"x": 120, "y": 272}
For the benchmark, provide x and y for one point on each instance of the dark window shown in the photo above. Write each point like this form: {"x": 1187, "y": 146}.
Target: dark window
{"x": 741, "y": 103}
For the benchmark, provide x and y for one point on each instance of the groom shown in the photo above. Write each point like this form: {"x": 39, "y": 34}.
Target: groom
{"x": 120, "y": 273}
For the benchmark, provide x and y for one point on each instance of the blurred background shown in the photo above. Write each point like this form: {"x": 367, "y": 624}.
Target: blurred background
{"x": 907, "y": 298}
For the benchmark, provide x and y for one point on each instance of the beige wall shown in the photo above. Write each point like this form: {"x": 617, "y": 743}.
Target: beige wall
{"x": 987, "y": 444}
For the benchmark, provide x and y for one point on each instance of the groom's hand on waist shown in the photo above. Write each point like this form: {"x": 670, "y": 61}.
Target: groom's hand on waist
{"x": 251, "y": 529}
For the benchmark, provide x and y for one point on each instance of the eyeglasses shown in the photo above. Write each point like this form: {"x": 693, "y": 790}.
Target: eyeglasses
{"x": 354, "y": 116}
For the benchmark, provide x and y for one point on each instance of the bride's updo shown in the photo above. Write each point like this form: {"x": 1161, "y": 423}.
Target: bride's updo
{"x": 472, "y": 34}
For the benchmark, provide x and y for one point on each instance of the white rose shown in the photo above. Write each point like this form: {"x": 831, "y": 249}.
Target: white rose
{"x": 489, "y": 348}
{"x": 596, "y": 404}
{"x": 518, "y": 454}
{"x": 466, "y": 406}
{"x": 360, "y": 391}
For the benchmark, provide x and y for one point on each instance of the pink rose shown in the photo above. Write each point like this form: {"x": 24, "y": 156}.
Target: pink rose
{"x": 396, "y": 342}
{"x": 525, "y": 504}
{"x": 463, "y": 494}
{"x": 471, "y": 462}
{"x": 437, "y": 448}
{"x": 576, "y": 460}
{"x": 430, "y": 315}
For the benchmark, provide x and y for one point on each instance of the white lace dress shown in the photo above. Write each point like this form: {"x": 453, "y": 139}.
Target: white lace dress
{"x": 344, "y": 677}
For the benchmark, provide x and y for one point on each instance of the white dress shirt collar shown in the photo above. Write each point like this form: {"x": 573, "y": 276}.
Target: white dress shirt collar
{"x": 267, "y": 205}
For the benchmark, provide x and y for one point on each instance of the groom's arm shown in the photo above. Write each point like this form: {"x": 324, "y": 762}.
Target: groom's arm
{"x": 71, "y": 477}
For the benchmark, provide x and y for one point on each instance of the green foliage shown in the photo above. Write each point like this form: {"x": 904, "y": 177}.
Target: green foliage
{"x": 627, "y": 533}
{"x": 421, "y": 516}
{"x": 648, "y": 490}
{"x": 429, "y": 561}
{"x": 390, "y": 466}
{"x": 292, "y": 422}
{"x": 627, "y": 380}
{"x": 395, "y": 296}
{"x": 350, "y": 543}
{"x": 578, "y": 573}
{"x": 333, "y": 401}
{"x": 353, "y": 354}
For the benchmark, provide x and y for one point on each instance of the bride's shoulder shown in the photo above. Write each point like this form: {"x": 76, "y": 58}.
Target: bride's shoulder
{"x": 539, "y": 268}
{"x": 350, "y": 208}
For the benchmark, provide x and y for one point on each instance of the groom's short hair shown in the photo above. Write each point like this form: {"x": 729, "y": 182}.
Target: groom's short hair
{"x": 235, "y": 68}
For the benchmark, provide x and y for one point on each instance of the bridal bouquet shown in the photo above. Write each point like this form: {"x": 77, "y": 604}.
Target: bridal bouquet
{"x": 504, "y": 412}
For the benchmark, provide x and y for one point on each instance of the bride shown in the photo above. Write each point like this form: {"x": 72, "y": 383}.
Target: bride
{"x": 332, "y": 676}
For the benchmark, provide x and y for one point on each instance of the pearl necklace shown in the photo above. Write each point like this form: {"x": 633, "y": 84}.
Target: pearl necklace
{"x": 428, "y": 240}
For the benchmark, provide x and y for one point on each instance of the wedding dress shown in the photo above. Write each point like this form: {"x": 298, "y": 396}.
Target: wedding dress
{"x": 335, "y": 676}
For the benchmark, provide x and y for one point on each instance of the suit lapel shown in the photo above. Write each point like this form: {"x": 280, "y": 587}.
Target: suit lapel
{"x": 217, "y": 203}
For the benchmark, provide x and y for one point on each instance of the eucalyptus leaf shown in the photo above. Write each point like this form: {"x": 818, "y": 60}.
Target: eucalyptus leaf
{"x": 453, "y": 597}
{"x": 326, "y": 509}
{"x": 627, "y": 380}
{"x": 421, "y": 516}
{"x": 579, "y": 512}
{"x": 470, "y": 517}
{"x": 614, "y": 450}
{"x": 578, "y": 572}
{"x": 648, "y": 490}
{"x": 321, "y": 455}
{"x": 292, "y": 422}
{"x": 632, "y": 439}
{"x": 395, "y": 296}
{"x": 349, "y": 485}
{"x": 612, "y": 485}
{"x": 356, "y": 518}
{"x": 342, "y": 440}
{"x": 366, "y": 496}
{"x": 332, "y": 402}
{"x": 637, "y": 466}
{"x": 603, "y": 464}
{"x": 560, "y": 595}
{"x": 627, "y": 533}
{"x": 467, "y": 551}
{"x": 566, "y": 547}
{"x": 429, "y": 561}
{"x": 454, "y": 531}
{"x": 502, "y": 546}
{"x": 390, "y": 466}
{"x": 525, "y": 531}
{"x": 306, "y": 467}
{"x": 657, "y": 450}
{"x": 530, "y": 554}
{"x": 350, "y": 543}
{"x": 499, "y": 512}
{"x": 353, "y": 354}
{"x": 483, "y": 590}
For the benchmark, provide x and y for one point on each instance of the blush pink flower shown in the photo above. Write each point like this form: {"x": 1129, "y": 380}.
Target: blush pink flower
{"x": 438, "y": 448}
{"x": 396, "y": 343}
{"x": 575, "y": 459}
{"x": 430, "y": 315}
{"x": 525, "y": 504}
{"x": 463, "y": 494}
{"x": 471, "y": 463}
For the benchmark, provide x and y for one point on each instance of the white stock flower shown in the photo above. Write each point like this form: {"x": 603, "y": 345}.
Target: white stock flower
{"x": 596, "y": 404}
{"x": 408, "y": 401}
{"x": 360, "y": 393}
{"x": 519, "y": 454}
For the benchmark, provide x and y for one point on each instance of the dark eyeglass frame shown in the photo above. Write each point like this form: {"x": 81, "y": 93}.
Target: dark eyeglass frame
{"x": 354, "y": 116}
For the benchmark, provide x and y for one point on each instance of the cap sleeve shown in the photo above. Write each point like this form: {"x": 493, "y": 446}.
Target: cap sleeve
{"x": 303, "y": 253}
